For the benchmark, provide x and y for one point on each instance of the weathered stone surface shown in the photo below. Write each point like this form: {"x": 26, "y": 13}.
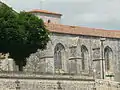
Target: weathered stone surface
{"x": 93, "y": 45}
{"x": 6, "y": 64}
{"x": 48, "y": 82}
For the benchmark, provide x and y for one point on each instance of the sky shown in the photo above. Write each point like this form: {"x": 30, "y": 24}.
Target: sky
{"x": 89, "y": 13}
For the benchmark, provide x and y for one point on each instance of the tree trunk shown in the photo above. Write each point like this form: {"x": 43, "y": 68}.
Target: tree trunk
{"x": 20, "y": 67}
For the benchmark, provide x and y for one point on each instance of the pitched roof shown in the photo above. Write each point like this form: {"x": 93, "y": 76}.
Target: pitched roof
{"x": 76, "y": 30}
{"x": 44, "y": 11}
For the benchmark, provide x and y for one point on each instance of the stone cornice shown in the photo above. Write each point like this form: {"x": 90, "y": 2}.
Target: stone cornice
{"x": 19, "y": 75}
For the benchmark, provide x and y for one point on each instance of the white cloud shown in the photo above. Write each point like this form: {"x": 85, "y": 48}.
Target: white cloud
{"x": 93, "y": 13}
{"x": 68, "y": 0}
{"x": 92, "y": 18}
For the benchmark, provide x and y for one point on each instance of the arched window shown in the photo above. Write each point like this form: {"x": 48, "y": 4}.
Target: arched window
{"x": 84, "y": 56}
{"x": 108, "y": 57}
{"x": 58, "y": 55}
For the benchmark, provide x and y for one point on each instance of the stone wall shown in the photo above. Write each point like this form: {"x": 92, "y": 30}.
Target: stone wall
{"x": 10, "y": 84}
{"x": 31, "y": 81}
{"x": 53, "y": 18}
{"x": 106, "y": 85}
{"x": 93, "y": 45}
{"x": 20, "y": 81}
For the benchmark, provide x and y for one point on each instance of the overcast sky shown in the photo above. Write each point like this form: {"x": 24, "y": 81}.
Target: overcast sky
{"x": 91, "y": 13}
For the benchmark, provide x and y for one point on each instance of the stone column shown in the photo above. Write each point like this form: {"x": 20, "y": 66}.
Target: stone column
{"x": 49, "y": 61}
{"x": 72, "y": 66}
{"x": 11, "y": 64}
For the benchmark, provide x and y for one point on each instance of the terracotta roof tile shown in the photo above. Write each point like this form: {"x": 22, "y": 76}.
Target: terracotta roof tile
{"x": 58, "y": 28}
{"x": 44, "y": 11}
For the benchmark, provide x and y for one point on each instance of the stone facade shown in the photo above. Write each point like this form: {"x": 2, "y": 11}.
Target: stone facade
{"x": 81, "y": 55}
{"x": 71, "y": 62}
{"x": 93, "y": 60}
{"x": 52, "y": 18}
{"x": 47, "y": 16}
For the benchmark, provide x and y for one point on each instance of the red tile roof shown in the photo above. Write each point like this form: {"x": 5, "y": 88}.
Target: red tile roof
{"x": 44, "y": 11}
{"x": 58, "y": 28}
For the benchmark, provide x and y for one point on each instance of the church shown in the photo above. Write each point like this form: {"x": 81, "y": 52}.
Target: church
{"x": 78, "y": 50}
{"x": 76, "y": 58}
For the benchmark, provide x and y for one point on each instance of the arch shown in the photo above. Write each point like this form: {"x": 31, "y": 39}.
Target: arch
{"x": 59, "y": 51}
{"x": 108, "y": 55}
{"x": 84, "y": 56}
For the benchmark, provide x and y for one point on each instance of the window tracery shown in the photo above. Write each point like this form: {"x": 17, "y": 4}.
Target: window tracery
{"x": 58, "y": 56}
{"x": 84, "y": 56}
{"x": 108, "y": 57}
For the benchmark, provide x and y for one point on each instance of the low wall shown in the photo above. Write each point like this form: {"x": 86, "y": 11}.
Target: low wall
{"x": 31, "y": 81}
{"x": 29, "y": 84}
{"x": 106, "y": 85}
{"x": 18, "y": 81}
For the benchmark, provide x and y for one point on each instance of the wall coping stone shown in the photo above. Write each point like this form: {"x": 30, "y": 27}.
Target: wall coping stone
{"x": 30, "y": 75}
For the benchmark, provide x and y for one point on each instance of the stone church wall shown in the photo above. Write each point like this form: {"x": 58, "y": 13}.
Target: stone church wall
{"x": 93, "y": 45}
{"x": 44, "y": 63}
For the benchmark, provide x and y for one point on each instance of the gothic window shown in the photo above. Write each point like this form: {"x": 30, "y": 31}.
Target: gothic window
{"x": 84, "y": 56}
{"x": 108, "y": 57}
{"x": 58, "y": 55}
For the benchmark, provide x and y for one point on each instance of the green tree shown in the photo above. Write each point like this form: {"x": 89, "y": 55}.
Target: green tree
{"x": 21, "y": 34}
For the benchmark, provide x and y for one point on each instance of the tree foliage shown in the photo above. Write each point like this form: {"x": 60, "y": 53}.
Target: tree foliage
{"x": 21, "y": 34}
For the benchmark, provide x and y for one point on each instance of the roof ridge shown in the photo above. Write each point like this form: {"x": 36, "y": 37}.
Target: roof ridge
{"x": 44, "y": 11}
